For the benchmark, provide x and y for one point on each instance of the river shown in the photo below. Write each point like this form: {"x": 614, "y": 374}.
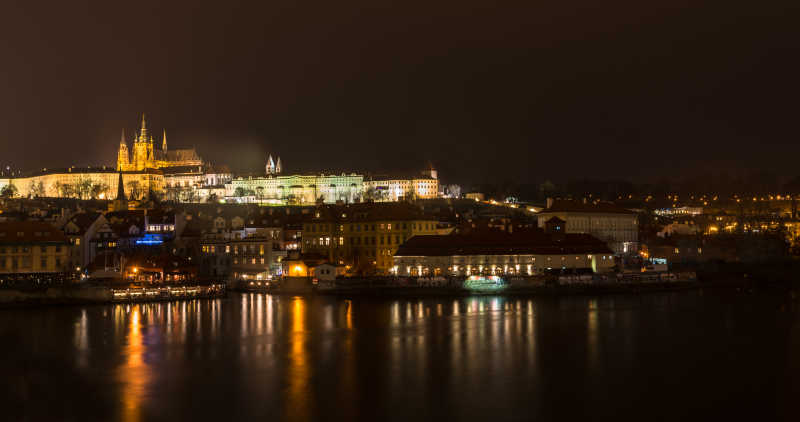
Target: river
{"x": 714, "y": 355}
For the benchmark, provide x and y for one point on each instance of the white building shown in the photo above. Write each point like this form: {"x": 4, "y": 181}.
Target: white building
{"x": 616, "y": 226}
{"x": 387, "y": 189}
{"x": 501, "y": 254}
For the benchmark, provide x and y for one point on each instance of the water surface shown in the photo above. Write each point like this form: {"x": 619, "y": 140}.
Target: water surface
{"x": 672, "y": 356}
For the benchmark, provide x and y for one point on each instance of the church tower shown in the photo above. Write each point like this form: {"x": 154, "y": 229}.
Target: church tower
{"x": 278, "y": 166}
{"x": 123, "y": 157}
{"x": 270, "y": 165}
{"x": 121, "y": 203}
{"x": 140, "y": 147}
{"x": 164, "y": 141}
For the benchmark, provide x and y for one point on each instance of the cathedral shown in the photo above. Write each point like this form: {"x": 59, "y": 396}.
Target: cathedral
{"x": 146, "y": 156}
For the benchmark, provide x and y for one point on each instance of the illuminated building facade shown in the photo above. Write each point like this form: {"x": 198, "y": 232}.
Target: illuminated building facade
{"x": 364, "y": 236}
{"x": 616, "y": 226}
{"x": 32, "y": 247}
{"x": 382, "y": 189}
{"x": 87, "y": 183}
{"x": 296, "y": 189}
{"x": 501, "y": 253}
{"x": 251, "y": 257}
{"x": 144, "y": 155}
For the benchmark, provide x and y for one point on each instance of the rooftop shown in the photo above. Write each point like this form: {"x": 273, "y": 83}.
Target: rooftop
{"x": 502, "y": 243}
{"x": 13, "y": 232}
{"x": 566, "y": 205}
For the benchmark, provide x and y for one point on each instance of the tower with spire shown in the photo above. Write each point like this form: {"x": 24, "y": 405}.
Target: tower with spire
{"x": 273, "y": 167}
{"x": 122, "y": 156}
{"x": 144, "y": 155}
{"x": 143, "y": 148}
{"x": 121, "y": 203}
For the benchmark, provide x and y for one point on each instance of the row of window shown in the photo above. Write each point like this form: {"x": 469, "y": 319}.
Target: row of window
{"x": 251, "y": 261}
{"x": 25, "y": 262}
{"x": 252, "y": 249}
{"x": 25, "y": 249}
{"x": 357, "y": 241}
{"x": 371, "y": 227}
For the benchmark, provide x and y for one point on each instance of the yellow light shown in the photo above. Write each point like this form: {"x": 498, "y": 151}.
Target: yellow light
{"x": 135, "y": 269}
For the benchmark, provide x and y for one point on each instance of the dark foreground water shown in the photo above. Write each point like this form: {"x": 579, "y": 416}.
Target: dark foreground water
{"x": 714, "y": 355}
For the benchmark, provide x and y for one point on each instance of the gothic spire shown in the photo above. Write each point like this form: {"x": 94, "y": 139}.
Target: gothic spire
{"x": 120, "y": 189}
{"x": 164, "y": 141}
{"x": 278, "y": 167}
{"x": 143, "y": 131}
{"x": 122, "y": 138}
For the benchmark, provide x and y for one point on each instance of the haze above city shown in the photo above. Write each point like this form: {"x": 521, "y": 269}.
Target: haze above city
{"x": 525, "y": 91}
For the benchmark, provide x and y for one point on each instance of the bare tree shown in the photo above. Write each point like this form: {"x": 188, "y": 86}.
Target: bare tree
{"x": 40, "y": 190}
{"x": 8, "y": 191}
{"x": 134, "y": 189}
{"x": 99, "y": 189}
{"x": 65, "y": 190}
{"x": 83, "y": 187}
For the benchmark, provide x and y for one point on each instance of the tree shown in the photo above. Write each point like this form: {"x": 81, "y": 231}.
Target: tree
{"x": 239, "y": 192}
{"x": 154, "y": 196}
{"x": 83, "y": 187}
{"x": 39, "y": 190}
{"x": 134, "y": 189}
{"x": 212, "y": 198}
{"x": 260, "y": 193}
{"x": 8, "y": 191}
{"x": 370, "y": 194}
{"x": 65, "y": 190}
{"x": 99, "y": 189}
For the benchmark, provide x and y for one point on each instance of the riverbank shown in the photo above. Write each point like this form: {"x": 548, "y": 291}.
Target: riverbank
{"x": 380, "y": 288}
{"x": 76, "y": 294}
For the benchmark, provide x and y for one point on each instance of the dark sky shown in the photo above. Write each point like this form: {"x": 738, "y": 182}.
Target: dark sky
{"x": 487, "y": 91}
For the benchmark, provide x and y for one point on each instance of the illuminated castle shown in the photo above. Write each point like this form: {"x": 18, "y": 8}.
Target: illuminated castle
{"x": 145, "y": 156}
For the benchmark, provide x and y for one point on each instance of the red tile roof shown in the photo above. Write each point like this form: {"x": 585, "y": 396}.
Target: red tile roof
{"x": 16, "y": 232}
{"x": 502, "y": 243}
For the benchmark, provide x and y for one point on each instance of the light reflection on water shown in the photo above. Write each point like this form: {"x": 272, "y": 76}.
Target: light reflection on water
{"x": 304, "y": 358}
{"x": 134, "y": 373}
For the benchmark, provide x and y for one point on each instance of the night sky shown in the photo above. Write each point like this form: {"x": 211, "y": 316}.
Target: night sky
{"x": 487, "y": 91}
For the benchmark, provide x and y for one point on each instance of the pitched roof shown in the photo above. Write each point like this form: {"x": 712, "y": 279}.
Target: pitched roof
{"x": 371, "y": 211}
{"x": 565, "y": 205}
{"x": 502, "y": 243}
{"x": 15, "y": 232}
{"x": 185, "y": 154}
{"x": 83, "y": 221}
